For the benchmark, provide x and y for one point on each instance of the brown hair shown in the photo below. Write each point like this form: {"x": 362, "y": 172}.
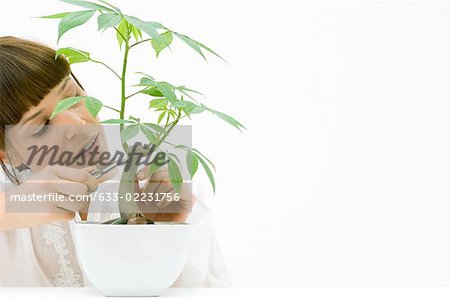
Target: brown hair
{"x": 28, "y": 72}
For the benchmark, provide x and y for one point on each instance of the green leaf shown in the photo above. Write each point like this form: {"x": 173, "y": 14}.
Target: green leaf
{"x": 182, "y": 147}
{"x": 135, "y": 119}
{"x": 157, "y": 103}
{"x": 129, "y": 132}
{"x": 154, "y": 127}
{"x": 147, "y": 27}
{"x": 167, "y": 90}
{"x": 192, "y": 163}
{"x": 150, "y": 135}
{"x": 192, "y": 108}
{"x": 155, "y": 25}
{"x": 146, "y": 81}
{"x": 73, "y": 20}
{"x": 136, "y": 32}
{"x": 93, "y": 105}
{"x": 146, "y": 75}
{"x": 197, "y": 46}
{"x": 161, "y": 116}
{"x": 179, "y": 103}
{"x": 116, "y": 121}
{"x": 175, "y": 175}
{"x": 230, "y": 120}
{"x": 161, "y": 42}
{"x": 127, "y": 29}
{"x": 193, "y": 44}
{"x": 65, "y": 104}
{"x": 209, "y": 161}
{"x": 210, "y": 50}
{"x": 184, "y": 90}
{"x": 122, "y": 30}
{"x": 87, "y": 4}
{"x": 197, "y": 110}
{"x": 108, "y": 20}
{"x": 173, "y": 113}
{"x": 153, "y": 91}
{"x": 73, "y": 55}
{"x": 175, "y": 158}
{"x": 56, "y": 16}
{"x": 207, "y": 170}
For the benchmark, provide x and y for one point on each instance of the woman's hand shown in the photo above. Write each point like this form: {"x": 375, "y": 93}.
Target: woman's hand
{"x": 171, "y": 207}
{"x": 52, "y": 179}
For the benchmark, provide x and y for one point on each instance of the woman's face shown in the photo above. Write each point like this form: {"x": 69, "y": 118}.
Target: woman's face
{"x": 74, "y": 131}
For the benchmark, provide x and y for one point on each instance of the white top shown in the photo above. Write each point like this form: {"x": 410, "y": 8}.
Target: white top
{"x": 45, "y": 255}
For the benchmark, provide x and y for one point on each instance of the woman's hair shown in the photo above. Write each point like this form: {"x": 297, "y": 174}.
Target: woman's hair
{"x": 28, "y": 72}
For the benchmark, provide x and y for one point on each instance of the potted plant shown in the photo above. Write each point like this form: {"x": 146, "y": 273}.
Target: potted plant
{"x": 137, "y": 247}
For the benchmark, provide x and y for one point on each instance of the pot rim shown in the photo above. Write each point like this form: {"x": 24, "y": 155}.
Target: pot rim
{"x": 90, "y": 223}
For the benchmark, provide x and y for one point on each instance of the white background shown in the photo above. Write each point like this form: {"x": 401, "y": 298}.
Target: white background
{"x": 342, "y": 176}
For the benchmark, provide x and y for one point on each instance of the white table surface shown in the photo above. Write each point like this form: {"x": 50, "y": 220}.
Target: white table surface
{"x": 240, "y": 293}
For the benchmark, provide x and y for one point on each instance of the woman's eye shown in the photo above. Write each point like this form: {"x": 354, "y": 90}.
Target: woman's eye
{"x": 79, "y": 103}
{"x": 43, "y": 129}
{"x": 76, "y": 105}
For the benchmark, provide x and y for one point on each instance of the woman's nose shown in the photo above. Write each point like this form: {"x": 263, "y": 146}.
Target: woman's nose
{"x": 73, "y": 123}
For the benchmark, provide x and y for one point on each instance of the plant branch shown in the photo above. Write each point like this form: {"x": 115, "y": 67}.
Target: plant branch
{"x": 167, "y": 121}
{"x": 104, "y": 2}
{"x": 129, "y": 96}
{"x": 111, "y": 108}
{"x": 174, "y": 123}
{"x": 178, "y": 119}
{"x": 135, "y": 44}
{"x": 102, "y": 63}
{"x": 172, "y": 144}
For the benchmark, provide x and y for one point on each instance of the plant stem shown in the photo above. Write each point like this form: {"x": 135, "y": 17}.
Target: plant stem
{"x": 123, "y": 90}
{"x": 102, "y": 63}
{"x": 177, "y": 119}
{"x": 127, "y": 181}
{"x": 124, "y": 74}
{"x": 135, "y": 44}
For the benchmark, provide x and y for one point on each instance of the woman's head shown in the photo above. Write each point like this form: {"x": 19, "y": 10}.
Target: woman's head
{"x": 32, "y": 82}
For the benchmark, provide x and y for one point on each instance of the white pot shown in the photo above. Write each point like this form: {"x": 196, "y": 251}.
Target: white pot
{"x": 132, "y": 260}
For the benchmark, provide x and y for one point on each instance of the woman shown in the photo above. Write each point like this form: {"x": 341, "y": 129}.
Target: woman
{"x": 36, "y": 249}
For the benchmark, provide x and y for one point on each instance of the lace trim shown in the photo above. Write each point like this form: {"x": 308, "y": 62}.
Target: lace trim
{"x": 65, "y": 277}
{"x": 54, "y": 235}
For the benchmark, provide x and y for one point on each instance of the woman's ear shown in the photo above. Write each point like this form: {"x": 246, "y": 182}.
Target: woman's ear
{"x": 9, "y": 159}
{"x": 2, "y": 155}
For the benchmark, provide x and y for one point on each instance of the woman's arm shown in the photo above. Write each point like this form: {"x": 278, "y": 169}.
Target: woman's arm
{"x": 50, "y": 180}
{"x": 10, "y": 221}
